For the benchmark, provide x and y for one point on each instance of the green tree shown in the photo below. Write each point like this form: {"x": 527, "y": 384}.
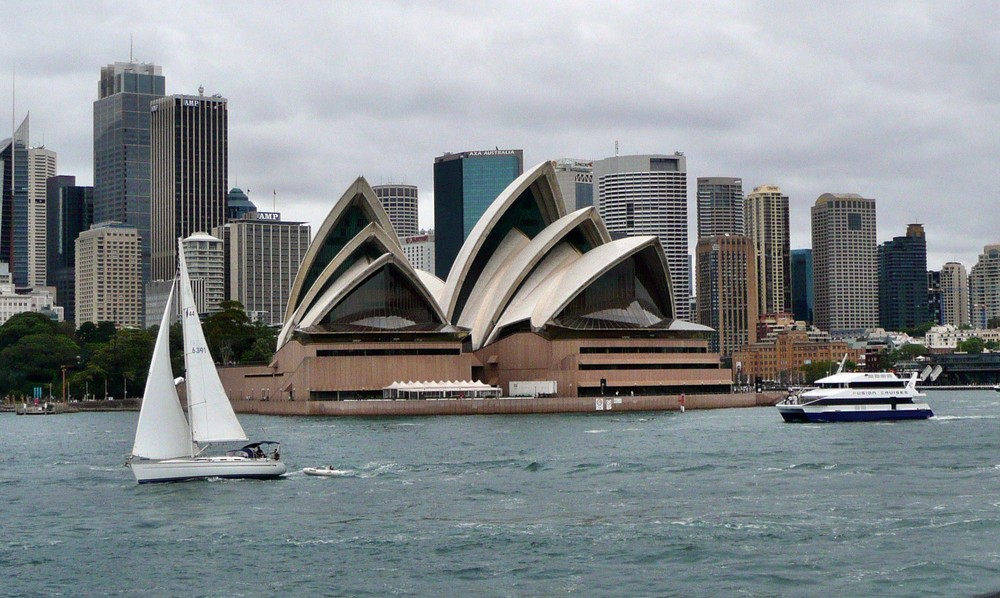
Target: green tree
{"x": 95, "y": 333}
{"x": 228, "y": 332}
{"x": 124, "y": 362}
{"x": 25, "y": 324}
{"x": 971, "y": 345}
{"x": 36, "y": 360}
{"x": 261, "y": 351}
{"x": 993, "y": 323}
{"x": 907, "y": 352}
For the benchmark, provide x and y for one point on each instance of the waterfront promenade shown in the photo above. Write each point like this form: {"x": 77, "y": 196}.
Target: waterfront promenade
{"x": 512, "y": 406}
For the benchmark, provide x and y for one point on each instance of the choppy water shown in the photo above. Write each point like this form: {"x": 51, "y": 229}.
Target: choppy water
{"x": 706, "y": 503}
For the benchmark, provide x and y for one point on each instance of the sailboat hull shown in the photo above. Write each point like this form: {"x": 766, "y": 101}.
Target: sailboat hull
{"x": 196, "y": 468}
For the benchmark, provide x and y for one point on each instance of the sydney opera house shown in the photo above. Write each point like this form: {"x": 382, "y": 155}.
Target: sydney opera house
{"x": 535, "y": 294}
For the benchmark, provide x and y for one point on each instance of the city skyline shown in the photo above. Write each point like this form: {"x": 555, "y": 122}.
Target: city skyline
{"x": 824, "y": 105}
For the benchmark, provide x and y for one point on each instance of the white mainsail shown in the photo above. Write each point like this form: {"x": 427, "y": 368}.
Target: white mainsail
{"x": 162, "y": 432}
{"x": 211, "y": 414}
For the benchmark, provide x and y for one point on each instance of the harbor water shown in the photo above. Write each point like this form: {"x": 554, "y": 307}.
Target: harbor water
{"x": 705, "y": 503}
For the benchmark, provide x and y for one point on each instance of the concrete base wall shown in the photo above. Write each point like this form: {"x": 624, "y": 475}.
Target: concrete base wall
{"x": 504, "y": 406}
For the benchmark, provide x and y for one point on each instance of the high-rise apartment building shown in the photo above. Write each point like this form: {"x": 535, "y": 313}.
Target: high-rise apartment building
{"x": 984, "y": 288}
{"x": 400, "y": 203}
{"x": 934, "y": 296}
{"x": 803, "y": 300}
{"x": 576, "y": 183}
{"x": 15, "y": 207}
{"x": 720, "y": 206}
{"x": 69, "y": 212}
{"x": 465, "y": 184}
{"x": 954, "y": 295}
{"x": 766, "y": 221}
{"x": 122, "y": 147}
{"x": 727, "y": 291}
{"x": 190, "y": 163}
{"x": 419, "y": 250}
{"x": 845, "y": 266}
{"x": 262, "y": 257}
{"x": 41, "y": 166}
{"x": 206, "y": 264}
{"x": 902, "y": 280}
{"x": 108, "y": 284}
{"x": 647, "y": 195}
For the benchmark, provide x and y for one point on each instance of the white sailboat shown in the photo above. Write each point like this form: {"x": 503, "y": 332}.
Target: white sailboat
{"x": 167, "y": 445}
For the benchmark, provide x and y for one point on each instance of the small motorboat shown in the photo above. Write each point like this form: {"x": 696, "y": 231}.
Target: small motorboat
{"x": 324, "y": 471}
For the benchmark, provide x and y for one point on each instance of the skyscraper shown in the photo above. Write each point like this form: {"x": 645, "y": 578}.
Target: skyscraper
{"x": 14, "y": 211}
{"x": 465, "y": 184}
{"x": 954, "y": 295}
{"x": 984, "y": 288}
{"x": 204, "y": 255}
{"x": 902, "y": 280}
{"x": 767, "y": 226}
{"x": 720, "y": 206}
{"x": 238, "y": 204}
{"x": 190, "y": 169}
{"x": 576, "y": 183}
{"x": 69, "y": 212}
{"x": 108, "y": 287}
{"x": 727, "y": 291}
{"x": 400, "y": 203}
{"x": 845, "y": 267}
{"x": 122, "y": 147}
{"x": 262, "y": 259}
{"x": 934, "y": 296}
{"x": 801, "y": 269}
{"x": 647, "y": 195}
{"x": 41, "y": 166}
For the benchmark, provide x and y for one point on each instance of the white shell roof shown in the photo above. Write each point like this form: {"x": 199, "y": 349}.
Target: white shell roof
{"x": 551, "y": 208}
{"x": 483, "y": 309}
{"x": 370, "y": 234}
{"x": 433, "y": 284}
{"x": 354, "y": 276}
{"x": 564, "y": 274}
{"x": 360, "y": 189}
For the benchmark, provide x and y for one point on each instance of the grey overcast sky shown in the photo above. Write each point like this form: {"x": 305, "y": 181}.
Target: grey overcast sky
{"x": 893, "y": 100}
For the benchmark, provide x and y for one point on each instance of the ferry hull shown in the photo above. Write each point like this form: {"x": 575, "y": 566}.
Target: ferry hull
{"x": 180, "y": 470}
{"x": 799, "y": 414}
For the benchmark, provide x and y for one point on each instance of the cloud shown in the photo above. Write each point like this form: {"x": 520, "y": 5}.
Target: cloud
{"x": 894, "y": 101}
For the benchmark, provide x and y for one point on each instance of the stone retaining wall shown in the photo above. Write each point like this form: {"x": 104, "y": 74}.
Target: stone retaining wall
{"x": 503, "y": 406}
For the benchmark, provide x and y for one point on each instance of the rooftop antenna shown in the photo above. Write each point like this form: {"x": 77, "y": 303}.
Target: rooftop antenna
{"x": 274, "y": 200}
{"x": 616, "y": 148}
{"x": 130, "y": 59}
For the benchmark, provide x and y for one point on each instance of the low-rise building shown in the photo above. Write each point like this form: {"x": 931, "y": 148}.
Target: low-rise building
{"x": 782, "y": 353}
{"x": 40, "y": 299}
{"x": 946, "y": 338}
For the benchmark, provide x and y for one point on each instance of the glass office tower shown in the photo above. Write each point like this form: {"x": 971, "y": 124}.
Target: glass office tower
{"x": 121, "y": 147}
{"x": 465, "y": 184}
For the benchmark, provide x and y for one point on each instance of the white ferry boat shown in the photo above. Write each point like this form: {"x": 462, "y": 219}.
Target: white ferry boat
{"x": 857, "y": 396}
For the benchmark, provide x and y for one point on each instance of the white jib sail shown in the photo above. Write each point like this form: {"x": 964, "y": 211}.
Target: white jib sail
{"x": 162, "y": 432}
{"x": 211, "y": 414}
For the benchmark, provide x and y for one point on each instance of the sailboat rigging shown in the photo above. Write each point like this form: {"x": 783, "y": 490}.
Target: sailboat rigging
{"x": 169, "y": 446}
